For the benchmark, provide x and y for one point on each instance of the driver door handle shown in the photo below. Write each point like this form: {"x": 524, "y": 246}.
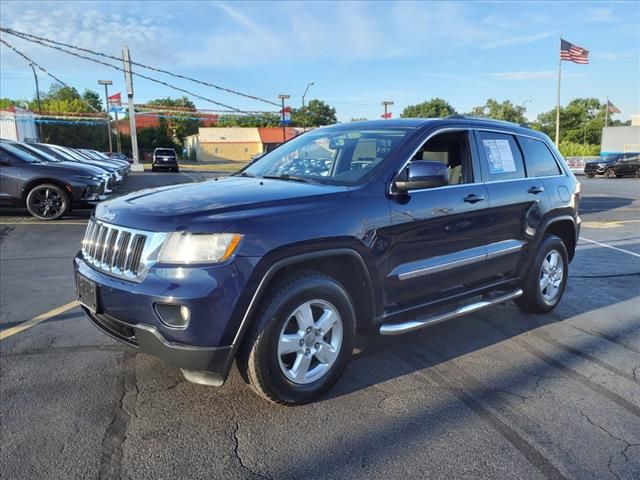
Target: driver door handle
{"x": 473, "y": 198}
{"x": 535, "y": 190}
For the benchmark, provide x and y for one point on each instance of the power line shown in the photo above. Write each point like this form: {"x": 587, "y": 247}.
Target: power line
{"x": 155, "y": 69}
{"x": 84, "y": 57}
{"x": 46, "y": 72}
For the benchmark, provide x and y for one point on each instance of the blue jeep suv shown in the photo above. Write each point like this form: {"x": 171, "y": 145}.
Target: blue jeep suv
{"x": 377, "y": 227}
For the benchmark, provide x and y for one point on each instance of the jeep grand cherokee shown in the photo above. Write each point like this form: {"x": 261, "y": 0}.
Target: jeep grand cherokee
{"x": 383, "y": 226}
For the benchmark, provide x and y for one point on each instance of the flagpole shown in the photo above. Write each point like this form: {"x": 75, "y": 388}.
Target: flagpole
{"x": 606, "y": 113}
{"x": 558, "y": 98}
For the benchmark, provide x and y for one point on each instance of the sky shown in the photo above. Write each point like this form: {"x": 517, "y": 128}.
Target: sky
{"x": 357, "y": 54}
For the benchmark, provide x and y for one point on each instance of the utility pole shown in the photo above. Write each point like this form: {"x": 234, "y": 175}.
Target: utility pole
{"x": 304, "y": 116}
{"x": 106, "y": 83}
{"x": 137, "y": 166}
{"x": 35, "y": 75}
{"x": 283, "y": 97}
{"x": 558, "y": 98}
{"x": 386, "y": 104}
{"x": 118, "y": 143}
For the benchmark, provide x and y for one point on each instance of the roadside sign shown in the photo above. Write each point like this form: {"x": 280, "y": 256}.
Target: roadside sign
{"x": 286, "y": 116}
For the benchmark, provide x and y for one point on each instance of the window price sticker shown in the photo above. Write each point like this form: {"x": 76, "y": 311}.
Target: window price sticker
{"x": 499, "y": 155}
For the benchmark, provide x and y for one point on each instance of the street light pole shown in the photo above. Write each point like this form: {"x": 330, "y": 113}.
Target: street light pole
{"x": 304, "y": 112}
{"x": 386, "y": 104}
{"x": 35, "y": 75}
{"x": 283, "y": 97}
{"x": 106, "y": 104}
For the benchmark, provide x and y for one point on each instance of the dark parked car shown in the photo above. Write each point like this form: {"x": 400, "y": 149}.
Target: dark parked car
{"x": 164, "y": 159}
{"x": 118, "y": 156}
{"x": 602, "y": 166}
{"x": 627, "y": 165}
{"x": 91, "y": 170}
{"x": 47, "y": 190}
{"x": 379, "y": 227}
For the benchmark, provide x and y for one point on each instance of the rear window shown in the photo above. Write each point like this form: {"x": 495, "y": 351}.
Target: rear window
{"x": 167, "y": 152}
{"x": 501, "y": 155}
{"x": 539, "y": 159}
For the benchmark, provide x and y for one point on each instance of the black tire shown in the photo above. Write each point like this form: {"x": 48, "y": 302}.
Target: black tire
{"x": 258, "y": 359}
{"x": 47, "y": 202}
{"x": 533, "y": 299}
{"x": 610, "y": 173}
{"x": 637, "y": 173}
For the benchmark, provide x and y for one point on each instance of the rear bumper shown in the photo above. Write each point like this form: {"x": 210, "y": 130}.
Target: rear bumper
{"x": 216, "y": 361}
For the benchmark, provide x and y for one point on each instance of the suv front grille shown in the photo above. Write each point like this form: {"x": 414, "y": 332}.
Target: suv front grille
{"x": 101, "y": 188}
{"x": 116, "y": 250}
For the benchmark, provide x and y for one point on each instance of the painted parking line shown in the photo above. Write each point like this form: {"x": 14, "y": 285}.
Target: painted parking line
{"x": 628, "y": 252}
{"x": 36, "y": 320}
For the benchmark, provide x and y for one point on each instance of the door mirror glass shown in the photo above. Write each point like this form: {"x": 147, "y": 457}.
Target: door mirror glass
{"x": 421, "y": 174}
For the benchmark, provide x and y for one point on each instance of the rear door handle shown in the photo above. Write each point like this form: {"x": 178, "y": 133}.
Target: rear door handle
{"x": 535, "y": 190}
{"x": 473, "y": 198}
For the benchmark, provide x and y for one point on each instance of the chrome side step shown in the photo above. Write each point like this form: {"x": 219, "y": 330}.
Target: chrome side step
{"x": 400, "y": 328}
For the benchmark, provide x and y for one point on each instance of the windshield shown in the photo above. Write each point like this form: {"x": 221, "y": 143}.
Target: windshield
{"x": 333, "y": 156}
{"x": 21, "y": 154}
{"x": 37, "y": 153}
{"x": 165, "y": 151}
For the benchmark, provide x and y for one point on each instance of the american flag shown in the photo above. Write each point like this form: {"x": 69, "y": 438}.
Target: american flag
{"x": 573, "y": 53}
{"x": 612, "y": 108}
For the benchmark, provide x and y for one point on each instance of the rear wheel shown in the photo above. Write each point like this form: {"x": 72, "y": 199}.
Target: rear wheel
{"x": 637, "y": 174}
{"x": 301, "y": 340}
{"x": 547, "y": 278}
{"x": 47, "y": 202}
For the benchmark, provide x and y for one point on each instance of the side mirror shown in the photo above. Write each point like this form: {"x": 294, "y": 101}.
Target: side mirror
{"x": 421, "y": 174}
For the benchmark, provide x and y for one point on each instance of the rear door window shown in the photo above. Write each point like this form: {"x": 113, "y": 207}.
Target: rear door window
{"x": 500, "y": 156}
{"x": 539, "y": 159}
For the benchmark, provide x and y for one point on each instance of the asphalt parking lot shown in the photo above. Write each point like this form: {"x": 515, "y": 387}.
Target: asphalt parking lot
{"x": 499, "y": 394}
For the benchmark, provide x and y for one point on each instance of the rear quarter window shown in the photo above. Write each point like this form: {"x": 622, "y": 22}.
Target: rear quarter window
{"x": 538, "y": 158}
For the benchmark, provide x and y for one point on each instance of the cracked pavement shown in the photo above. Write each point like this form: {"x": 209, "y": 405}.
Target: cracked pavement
{"x": 499, "y": 394}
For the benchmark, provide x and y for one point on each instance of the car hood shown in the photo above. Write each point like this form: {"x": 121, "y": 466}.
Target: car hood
{"x": 80, "y": 167}
{"x": 208, "y": 206}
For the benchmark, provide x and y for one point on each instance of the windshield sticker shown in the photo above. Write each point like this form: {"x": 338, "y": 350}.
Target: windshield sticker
{"x": 499, "y": 155}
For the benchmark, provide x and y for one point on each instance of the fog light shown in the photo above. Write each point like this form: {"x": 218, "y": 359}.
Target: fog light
{"x": 174, "y": 316}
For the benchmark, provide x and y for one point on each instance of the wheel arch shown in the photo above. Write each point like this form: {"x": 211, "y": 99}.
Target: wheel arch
{"x": 565, "y": 228}
{"x": 43, "y": 180}
{"x": 346, "y": 265}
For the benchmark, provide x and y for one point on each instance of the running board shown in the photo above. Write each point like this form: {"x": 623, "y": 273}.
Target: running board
{"x": 400, "y": 328}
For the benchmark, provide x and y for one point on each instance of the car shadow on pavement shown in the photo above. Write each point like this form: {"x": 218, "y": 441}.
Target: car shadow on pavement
{"x": 590, "y": 203}
{"x": 450, "y": 340}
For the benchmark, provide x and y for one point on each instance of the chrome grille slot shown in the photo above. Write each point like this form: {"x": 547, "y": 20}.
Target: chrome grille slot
{"x": 120, "y": 251}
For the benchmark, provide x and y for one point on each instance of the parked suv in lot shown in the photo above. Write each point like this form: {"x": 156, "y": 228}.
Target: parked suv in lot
{"x": 382, "y": 227}
{"x": 164, "y": 159}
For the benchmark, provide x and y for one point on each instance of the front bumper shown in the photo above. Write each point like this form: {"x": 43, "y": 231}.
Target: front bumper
{"x": 216, "y": 361}
{"x": 595, "y": 169}
{"x": 127, "y": 311}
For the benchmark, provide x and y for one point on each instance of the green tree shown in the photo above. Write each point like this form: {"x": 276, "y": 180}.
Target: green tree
{"x": 180, "y": 119}
{"x": 581, "y": 121}
{"x": 495, "y": 110}
{"x": 315, "y": 114}
{"x": 434, "y": 108}
{"x": 261, "y": 120}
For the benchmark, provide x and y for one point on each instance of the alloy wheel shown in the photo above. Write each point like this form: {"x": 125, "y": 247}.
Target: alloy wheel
{"x": 310, "y": 341}
{"x": 46, "y": 202}
{"x": 551, "y": 276}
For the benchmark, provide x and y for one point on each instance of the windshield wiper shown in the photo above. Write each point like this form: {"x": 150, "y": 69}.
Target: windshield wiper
{"x": 243, "y": 174}
{"x": 292, "y": 178}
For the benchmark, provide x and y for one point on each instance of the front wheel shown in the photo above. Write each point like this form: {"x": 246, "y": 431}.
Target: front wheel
{"x": 547, "y": 277}
{"x": 48, "y": 202}
{"x": 301, "y": 341}
{"x": 610, "y": 173}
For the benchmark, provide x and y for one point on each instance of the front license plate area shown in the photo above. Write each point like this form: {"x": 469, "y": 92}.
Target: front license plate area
{"x": 88, "y": 294}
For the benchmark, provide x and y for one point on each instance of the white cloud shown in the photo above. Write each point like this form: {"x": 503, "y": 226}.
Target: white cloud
{"x": 529, "y": 75}
{"x": 522, "y": 39}
{"x": 615, "y": 55}
{"x": 600, "y": 14}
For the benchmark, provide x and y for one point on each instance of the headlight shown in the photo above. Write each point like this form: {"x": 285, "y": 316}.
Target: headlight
{"x": 181, "y": 247}
{"x": 88, "y": 177}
